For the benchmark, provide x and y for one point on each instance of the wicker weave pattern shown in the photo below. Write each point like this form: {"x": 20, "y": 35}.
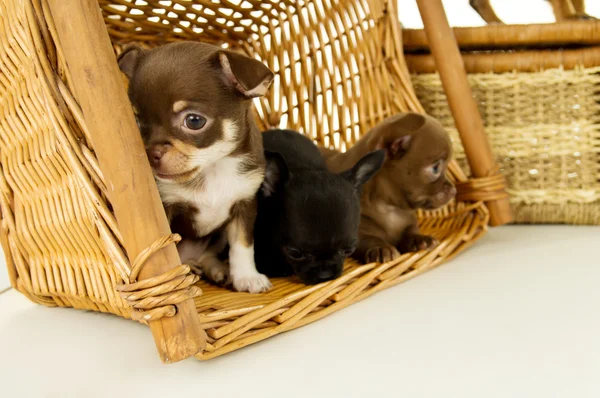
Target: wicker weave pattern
{"x": 544, "y": 128}
{"x": 60, "y": 237}
{"x": 327, "y": 56}
{"x": 238, "y": 319}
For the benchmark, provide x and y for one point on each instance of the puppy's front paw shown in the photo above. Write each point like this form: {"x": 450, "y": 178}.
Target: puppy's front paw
{"x": 415, "y": 243}
{"x": 218, "y": 274}
{"x": 252, "y": 283}
{"x": 381, "y": 254}
{"x": 213, "y": 270}
{"x": 195, "y": 267}
{"x": 190, "y": 251}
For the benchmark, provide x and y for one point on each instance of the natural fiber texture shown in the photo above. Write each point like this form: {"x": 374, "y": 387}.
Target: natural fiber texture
{"x": 156, "y": 297}
{"x": 340, "y": 70}
{"x": 482, "y": 189}
{"x": 336, "y": 54}
{"x": 544, "y": 129}
{"x": 234, "y": 320}
{"x": 511, "y": 37}
{"x": 522, "y": 61}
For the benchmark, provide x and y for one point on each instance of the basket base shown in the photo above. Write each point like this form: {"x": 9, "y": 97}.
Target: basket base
{"x": 234, "y": 320}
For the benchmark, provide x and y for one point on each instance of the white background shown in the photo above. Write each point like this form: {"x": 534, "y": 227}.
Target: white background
{"x": 510, "y": 11}
{"x": 514, "y": 316}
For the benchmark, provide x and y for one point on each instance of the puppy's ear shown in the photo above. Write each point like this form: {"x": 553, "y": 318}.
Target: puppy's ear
{"x": 276, "y": 173}
{"x": 365, "y": 168}
{"x": 247, "y": 76}
{"x": 395, "y": 147}
{"x": 396, "y": 133}
{"x": 128, "y": 59}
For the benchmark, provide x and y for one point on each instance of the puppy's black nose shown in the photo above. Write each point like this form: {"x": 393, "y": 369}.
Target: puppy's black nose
{"x": 325, "y": 274}
{"x": 156, "y": 152}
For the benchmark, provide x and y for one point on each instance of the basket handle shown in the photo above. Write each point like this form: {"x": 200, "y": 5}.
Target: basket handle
{"x": 464, "y": 108}
{"x": 98, "y": 87}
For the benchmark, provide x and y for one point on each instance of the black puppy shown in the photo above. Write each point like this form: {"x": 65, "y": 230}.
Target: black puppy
{"x": 308, "y": 217}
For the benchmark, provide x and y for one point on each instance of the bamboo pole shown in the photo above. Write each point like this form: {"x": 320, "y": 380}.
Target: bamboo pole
{"x": 506, "y": 62}
{"x": 99, "y": 89}
{"x": 501, "y": 36}
{"x": 460, "y": 99}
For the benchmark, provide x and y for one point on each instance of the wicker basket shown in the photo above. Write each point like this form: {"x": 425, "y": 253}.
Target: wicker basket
{"x": 537, "y": 88}
{"x": 82, "y": 224}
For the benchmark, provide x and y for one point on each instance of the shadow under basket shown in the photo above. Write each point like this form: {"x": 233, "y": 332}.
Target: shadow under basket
{"x": 58, "y": 230}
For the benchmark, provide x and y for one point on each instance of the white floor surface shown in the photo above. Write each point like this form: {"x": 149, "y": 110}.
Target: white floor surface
{"x": 517, "y": 315}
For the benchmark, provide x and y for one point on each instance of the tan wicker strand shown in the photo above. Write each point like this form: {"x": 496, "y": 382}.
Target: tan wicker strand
{"x": 141, "y": 258}
{"x": 154, "y": 313}
{"x": 523, "y": 61}
{"x": 145, "y": 297}
{"x": 170, "y": 298}
{"x": 514, "y": 36}
{"x": 482, "y": 189}
{"x": 174, "y": 274}
{"x": 162, "y": 291}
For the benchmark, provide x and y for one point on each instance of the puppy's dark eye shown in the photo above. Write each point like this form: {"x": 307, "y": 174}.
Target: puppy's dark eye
{"x": 435, "y": 169}
{"x": 294, "y": 253}
{"x": 194, "y": 121}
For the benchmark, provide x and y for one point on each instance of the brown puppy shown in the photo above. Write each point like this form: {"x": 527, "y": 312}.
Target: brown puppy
{"x": 418, "y": 150}
{"x": 193, "y": 106}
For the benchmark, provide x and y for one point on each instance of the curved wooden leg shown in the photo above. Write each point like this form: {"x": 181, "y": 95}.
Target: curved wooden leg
{"x": 464, "y": 109}
{"x": 563, "y": 9}
{"x": 579, "y": 6}
{"x": 485, "y": 11}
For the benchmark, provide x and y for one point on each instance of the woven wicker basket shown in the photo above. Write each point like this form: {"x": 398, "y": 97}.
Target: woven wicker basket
{"x": 82, "y": 224}
{"x": 537, "y": 88}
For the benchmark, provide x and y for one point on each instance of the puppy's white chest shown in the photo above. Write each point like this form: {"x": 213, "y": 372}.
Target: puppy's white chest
{"x": 394, "y": 220}
{"x": 222, "y": 186}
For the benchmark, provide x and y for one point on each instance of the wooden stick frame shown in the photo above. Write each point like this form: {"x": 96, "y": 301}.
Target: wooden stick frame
{"x": 99, "y": 88}
{"x": 464, "y": 109}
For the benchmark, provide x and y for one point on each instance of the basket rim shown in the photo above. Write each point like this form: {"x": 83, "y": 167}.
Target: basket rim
{"x": 523, "y": 61}
{"x": 501, "y": 36}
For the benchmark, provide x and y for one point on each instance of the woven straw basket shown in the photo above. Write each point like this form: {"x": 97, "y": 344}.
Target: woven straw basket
{"x": 82, "y": 224}
{"x": 537, "y": 88}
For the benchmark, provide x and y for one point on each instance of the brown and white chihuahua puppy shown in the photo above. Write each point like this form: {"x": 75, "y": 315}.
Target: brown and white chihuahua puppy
{"x": 193, "y": 103}
{"x": 413, "y": 176}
